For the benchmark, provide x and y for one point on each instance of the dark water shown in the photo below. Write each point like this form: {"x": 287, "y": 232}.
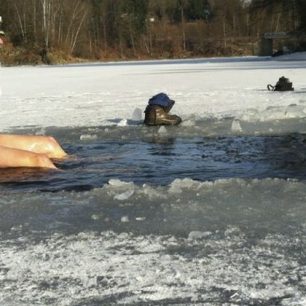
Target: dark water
{"x": 158, "y": 159}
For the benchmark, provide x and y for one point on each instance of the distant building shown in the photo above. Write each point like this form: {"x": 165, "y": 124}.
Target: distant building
{"x": 278, "y": 43}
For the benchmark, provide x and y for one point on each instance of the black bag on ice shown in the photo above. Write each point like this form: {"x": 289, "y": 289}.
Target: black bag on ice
{"x": 283, "y": 84}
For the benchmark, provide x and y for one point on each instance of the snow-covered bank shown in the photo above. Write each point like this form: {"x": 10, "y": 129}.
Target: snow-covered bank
{"x": 105, "y": 94}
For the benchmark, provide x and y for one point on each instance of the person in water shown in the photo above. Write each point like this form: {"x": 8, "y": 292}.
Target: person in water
{"x": 157, "y": 111}
{"x": 29, "y": 151}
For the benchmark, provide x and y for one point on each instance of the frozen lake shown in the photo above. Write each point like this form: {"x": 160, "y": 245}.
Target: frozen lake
{"x": 210, "y": 212}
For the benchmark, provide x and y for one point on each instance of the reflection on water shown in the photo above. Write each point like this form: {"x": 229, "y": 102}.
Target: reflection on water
{"x": 22, "y": 174}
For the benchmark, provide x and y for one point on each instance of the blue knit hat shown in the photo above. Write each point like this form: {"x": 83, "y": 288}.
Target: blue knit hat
{"x": 161, "y": 99}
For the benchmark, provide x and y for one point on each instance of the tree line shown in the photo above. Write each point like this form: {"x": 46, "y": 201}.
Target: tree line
{"x": 104, "y": 29}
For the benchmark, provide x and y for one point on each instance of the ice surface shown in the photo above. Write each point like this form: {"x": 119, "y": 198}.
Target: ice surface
{"x": 236, "y": 127}
{"x": 230, "y": 240}
{"x": 124, "y": 196}
{"x": 112, "y": 94}
{"x": 225, "y": 241}
{"x": 125, "y": 268}
{"x": 137, "y": 114}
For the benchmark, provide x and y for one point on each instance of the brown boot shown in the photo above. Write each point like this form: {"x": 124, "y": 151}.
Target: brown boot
{"x": 156, "y": 115}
